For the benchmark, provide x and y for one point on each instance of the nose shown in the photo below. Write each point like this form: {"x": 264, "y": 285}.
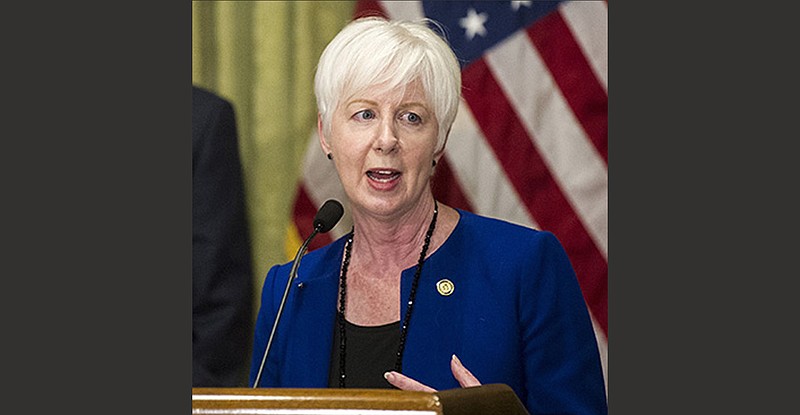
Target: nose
{"x": 386, "y": 141}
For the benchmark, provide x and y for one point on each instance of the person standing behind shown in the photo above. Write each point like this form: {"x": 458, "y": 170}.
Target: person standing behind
{"x": 222, "y": 287}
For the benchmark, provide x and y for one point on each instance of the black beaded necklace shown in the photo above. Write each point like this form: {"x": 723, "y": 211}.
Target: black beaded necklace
{"x": 398, "y": 365}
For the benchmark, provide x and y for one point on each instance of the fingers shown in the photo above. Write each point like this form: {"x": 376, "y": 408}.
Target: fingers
{"x": 464, "y": 377}
{"x": 404, "y": 382}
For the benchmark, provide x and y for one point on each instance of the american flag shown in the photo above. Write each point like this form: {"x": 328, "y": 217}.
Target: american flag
{"x": 530, "y": 142}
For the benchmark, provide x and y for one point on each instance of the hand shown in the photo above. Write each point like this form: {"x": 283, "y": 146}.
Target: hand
{"x": 464, "y": 377}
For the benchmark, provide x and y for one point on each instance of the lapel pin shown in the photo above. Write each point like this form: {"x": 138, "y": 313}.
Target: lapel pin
{"x": 445, "y": 287}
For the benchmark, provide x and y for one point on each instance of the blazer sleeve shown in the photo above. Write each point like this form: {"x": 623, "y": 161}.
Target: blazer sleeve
{"x": 561, "y": 357}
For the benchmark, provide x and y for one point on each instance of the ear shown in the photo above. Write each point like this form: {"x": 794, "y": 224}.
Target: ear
{"x": 323, "y": 142}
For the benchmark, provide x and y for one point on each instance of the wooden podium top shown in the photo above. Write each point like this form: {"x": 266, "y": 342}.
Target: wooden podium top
{"x": 485, "y": 399}
{"x": 268, "y": 401}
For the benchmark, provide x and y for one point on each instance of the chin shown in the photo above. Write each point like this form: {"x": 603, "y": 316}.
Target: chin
{"x": 383, "y": 206}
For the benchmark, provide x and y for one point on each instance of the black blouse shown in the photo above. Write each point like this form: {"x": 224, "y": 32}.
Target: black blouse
{"x": 370, "y": 352}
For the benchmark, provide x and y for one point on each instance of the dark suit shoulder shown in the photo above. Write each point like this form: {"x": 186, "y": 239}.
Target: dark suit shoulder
{"x": 211, "y": 115}
{"x": 200, "y": 94}
{"x": 205, "y": 103}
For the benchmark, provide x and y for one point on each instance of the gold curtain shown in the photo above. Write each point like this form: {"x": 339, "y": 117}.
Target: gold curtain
{"x": 261, "y": 56}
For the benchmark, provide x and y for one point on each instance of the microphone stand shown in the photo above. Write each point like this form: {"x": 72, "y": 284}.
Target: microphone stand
{"x": 292, "y": 276}
{"x": 325, "y": 219}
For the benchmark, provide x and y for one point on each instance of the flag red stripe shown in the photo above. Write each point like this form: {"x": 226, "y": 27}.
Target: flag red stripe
{"x": 574, "y": 76}
{"x": 538, "y": 190}
{"x": 446, "y": 187}
{"x": 369, "y": 8}
{"x": 304, "y": 211}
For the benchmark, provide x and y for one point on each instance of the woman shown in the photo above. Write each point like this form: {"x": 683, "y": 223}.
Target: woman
{"x": 420, "y": 296}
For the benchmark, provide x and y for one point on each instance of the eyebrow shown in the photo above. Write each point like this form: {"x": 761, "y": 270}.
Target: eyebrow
{"x": 375, "y": 103}
{"x": 357, "y": 101}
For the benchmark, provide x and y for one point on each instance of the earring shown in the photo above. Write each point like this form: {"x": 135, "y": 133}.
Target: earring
{"x": 330, "y": 156}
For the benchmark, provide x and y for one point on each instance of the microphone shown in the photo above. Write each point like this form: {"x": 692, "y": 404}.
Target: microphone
{"x": 326, "y": 218}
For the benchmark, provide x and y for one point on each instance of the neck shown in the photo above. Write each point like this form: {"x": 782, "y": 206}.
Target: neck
{"x": 373, "y": 305}
{"x": 391, "y": 244}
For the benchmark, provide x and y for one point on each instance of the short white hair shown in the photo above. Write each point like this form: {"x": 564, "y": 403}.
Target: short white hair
{"x": 374, "y": 51}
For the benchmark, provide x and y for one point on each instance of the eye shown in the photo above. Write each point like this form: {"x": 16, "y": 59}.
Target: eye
{"x": 412, "y": 118}
{"x": 364, "y": 115}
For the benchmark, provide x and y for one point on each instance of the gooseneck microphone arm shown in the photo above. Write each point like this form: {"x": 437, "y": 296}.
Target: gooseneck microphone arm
{"x": 326, "y": 218}
{"x": 292, "y": 275}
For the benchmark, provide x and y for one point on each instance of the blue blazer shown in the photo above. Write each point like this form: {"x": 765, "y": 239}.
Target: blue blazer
{"x": 516, "y": 316}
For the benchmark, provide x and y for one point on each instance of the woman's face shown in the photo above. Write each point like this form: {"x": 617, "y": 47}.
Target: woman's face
{"x": 383, "y": 145}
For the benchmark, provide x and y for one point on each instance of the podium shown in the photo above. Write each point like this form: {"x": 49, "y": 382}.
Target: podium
{"x": 484, "y": 399}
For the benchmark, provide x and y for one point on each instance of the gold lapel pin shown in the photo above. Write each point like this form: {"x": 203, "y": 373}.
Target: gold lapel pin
{"x": 445, "y": 287}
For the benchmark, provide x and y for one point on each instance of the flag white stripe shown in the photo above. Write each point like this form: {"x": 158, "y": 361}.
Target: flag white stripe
{"x": 403, "y": 10}
{"x": 571, "y": 158}
{"x": 322, "y": 183}
{"x": 602, "y": 345}
{"x": 480, "y": 174}
{"x": 589, "y": 24}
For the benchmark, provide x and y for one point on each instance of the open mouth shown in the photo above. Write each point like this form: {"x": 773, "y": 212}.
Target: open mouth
{"x": 383, "y": 176}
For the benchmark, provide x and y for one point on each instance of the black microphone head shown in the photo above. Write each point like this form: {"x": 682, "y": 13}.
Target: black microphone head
{"x": 328, "y": 215}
